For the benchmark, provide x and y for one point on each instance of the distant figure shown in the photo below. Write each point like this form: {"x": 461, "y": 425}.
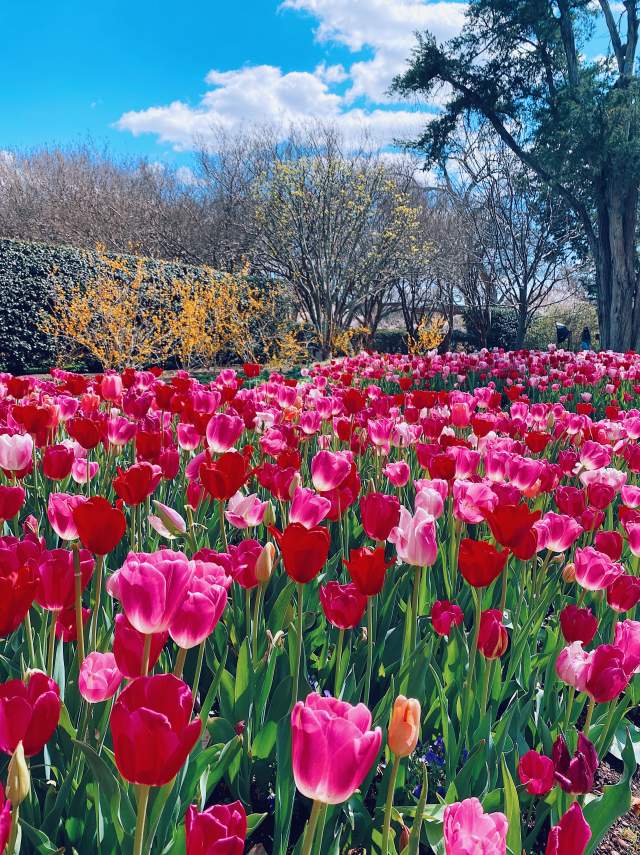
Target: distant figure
{"x": 585, "y": 339}
{"x": 563, "y": 335}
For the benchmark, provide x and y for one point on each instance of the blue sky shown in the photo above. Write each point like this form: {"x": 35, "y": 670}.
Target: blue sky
{"x": 149, "y": 76}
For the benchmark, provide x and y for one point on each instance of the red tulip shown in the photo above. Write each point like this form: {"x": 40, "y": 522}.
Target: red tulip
{"x": 606, "y": 676}
{"x": 493, "y": 639}
{"x": 11, "y": 500}
{"x": 29, "y": 713}
{"x": 536, "y": 773}
{"x": 578, "y": 624}
{"x": 128, "y": 647}
{"x": 251, "y": 369}
{"x": 480, "y": 562}
{"x": 151, "y": 729}
{"x": 343, "y": 605}
{"x": 367, "y": 568}
{"x": 57, "y": 461}
{"x": 575, "y": 774}
{"x": 444, "y": 615}
{"x": 571, "y": 835}
{"x": 609, "y": 542}
{"x": 624, "y": 593}
{"x": 100, "y": 526}
{"x": 56, "y": 589}
{"x": 86, "y": 432}
{"x": 66, "y": 626}
{"x": 380, "y": 513}
{"x": 134, "y": 484}
{"x": 222, "y": 478}
{"x": 304, "y": 550}
{"x": 512, "y": 526}
{"x": 18, "y": 586}
{"x": 219, "y": 830}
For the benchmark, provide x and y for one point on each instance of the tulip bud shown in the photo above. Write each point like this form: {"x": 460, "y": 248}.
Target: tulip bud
{"x": 269, "y": 517}
{"x": 569, "y": 573}
{"x": 18, "y": 777}
{"x": 264, "y": 564}
{"x": 296, "y": 482}
{"x": 404, "y": 837}
{"x": 166, "y": 521}
{"x": 404, "y": 726}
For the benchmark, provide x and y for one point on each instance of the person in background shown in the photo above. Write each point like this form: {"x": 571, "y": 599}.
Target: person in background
{"x": 585, "y": 339}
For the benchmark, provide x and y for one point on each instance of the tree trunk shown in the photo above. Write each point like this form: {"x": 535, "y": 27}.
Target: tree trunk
{"x": 615, "y": 259}
{"x": 523, "y": 307}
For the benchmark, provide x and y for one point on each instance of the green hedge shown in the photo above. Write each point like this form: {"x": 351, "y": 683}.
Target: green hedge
{"x": 26, "y": 285}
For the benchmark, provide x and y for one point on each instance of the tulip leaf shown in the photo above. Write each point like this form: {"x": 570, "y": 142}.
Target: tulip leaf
{"x": 39, "y": 839}
{"x": 615, "y": 801}
{"x": 243, "y": 683}
{"x": 511, "y": 809}
{"x": 254, "y": 821}
{"x": 285, "y": 788}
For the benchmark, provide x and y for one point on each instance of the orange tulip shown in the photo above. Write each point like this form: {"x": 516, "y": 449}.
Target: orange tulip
{"x": 404, "y": 727}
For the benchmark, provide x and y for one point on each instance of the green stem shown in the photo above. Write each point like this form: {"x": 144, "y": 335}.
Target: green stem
{"x": 367, "y": 684}
{"x": 296, "y": 664}
{"x": 143, "y": 800}
{"x": 310, "y": 831}
{"x": 196, "y": 677}
{"x": 256, "y": 620}
{"x": 386, "y": 826}
{"x": 78, "y": 592}
{"x": 13, "y": 836}
{"x": 336, "y": 681}
{"x": 486, "y": 682}
{"x": 178, "y": 668}
{"x": 572, "y": 694}
{"x": 587, "y": 722}
{"x": 146, "y": 655}
{"x": 247, "y": 612}
{"x": 28, "y": 631}
{"x": 417, "y": 578}
{"x": 466, "y": 709}
{"x": 97, "y": 595}
{"x": 223, "y": 531}
{"x": 52, "y": 643}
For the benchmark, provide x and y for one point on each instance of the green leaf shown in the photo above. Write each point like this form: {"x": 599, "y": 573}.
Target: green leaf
{"x": 285, "y": 788}
{"x": 615, "y": 801}
{"x": 254, "y": 821}
{"x": 243, "y": 683}
{"x": 511, "y": 809}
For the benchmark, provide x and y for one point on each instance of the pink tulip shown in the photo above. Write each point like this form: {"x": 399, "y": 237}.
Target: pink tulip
{"x": 60, "y": 514}
{"x": 468, "y": 830}
{"x": 16, "y": 452}
{"x": 428, "y": 499}
{"x": 595, "y": 570}
{"x": 188, "y": 436}
{"x": 245, "y": 511}
{"x": 572, "y": 666}
{"x": 633, "y": 539}
{"x": 111, "y": 387}
{"x": 398, "y": 473}
{"x": 83, "y": 470}
{"x": 99, "y": 677}
{"x": 329, "y": 469}
{"x": 630, "y": 496}
{"x": 201, "y": 607}
{"x": 150, "y": 588}
{"x": 557, "y": 532}
{"x": 323, "y": 730}
{"x": 415, "y": 538}
{"x": 593, "y": 455}
{"x": 120, "y": 431}
{"x": 627, "y": 638}
{"x": 308, "y": 508}
{"x": 471, "y": 501}
{"x": 223, "y": 431}
{"x": 167, "y": 522}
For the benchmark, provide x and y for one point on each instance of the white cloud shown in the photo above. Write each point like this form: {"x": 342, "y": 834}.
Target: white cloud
{"x": 264, "y": 94}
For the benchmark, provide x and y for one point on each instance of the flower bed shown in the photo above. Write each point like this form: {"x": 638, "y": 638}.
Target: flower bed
{"x": 389, "y": 605}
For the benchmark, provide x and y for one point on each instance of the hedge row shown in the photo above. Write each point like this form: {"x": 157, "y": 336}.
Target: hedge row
{"x": 27, "y": 272}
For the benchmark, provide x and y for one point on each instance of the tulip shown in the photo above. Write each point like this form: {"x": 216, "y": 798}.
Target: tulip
{"x": 219, "y": 830}
{"x": 11, "y": 501}
{"x": 150, "y": 588}
{"x": 18, "y": 778}
{"x": 111, "y": 387}
{"x": 472, "y": 502}
{"x": 324, "y": 728}
{"x": 308, "y": 508}
{"x": 66, "y": 626}
{"x": 606, "y": 676}
{"x": 83, "y": 470}
{"x": 264, "y": 564}
{"x": 415, "y": 538}
{"x": 222, "y": 478}
{"x": 223, "y": 431}
{"x": 493, "y": 639}
{"x": 200, "y": 608}
{"x": 467, "y": 829}
{"x": 624, "y": 593}
{"x": 444, "y": 615}
{"x": 134, "y": 484}
{"x": 329, "y": 469}
{"x": 578, "y": 624}
{"x": 151, "y": 729}
{"x": 595, "y": 570}
{"x": 128, "y": 647}
{"x": 627, "y": 640}
{"x": 16, "y": 452}
{"x": 557, "y": 532}
{"x": 343, "y": 605}
{"x": 57, "y": 461}
{"x": 5, "y": 820}
{"x": 609, "y": 542}
{"x": 29, "y": 713}
{"x": 99, "y": 677}
{"x": 512, "y": 526}
{"x": 536, "y": 773}
{"x": 572, "y": 666}
{"x": 575, "y": 775}
{"x": 367, "y": 568}
{"x": 245, "y": 511}
{"x": 166, "y": 522}
{"x": 402, "y": 738}
{"x": 60, "y": 514}
{"x": 18, "y": 585}
{"x": 380, "y": 514}
{"x": 100, "y": 526}
{"x": 397, "y": 473}
{"x": 304, "y": 550}
{"x": 56, "y": 571}
{"x": 480, "y": 563}
{"x": 571, "y": 835}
